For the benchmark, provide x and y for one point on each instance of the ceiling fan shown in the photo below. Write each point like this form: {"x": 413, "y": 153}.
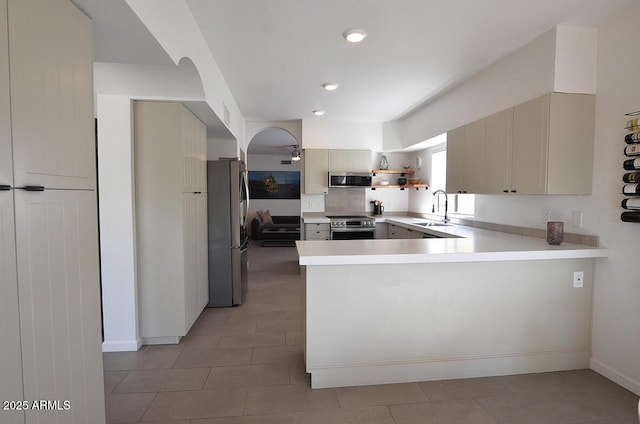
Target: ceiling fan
{"x": 296, "y": 153}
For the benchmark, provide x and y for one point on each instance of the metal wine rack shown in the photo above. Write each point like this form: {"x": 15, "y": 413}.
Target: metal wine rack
{"x": 631, "y": 177}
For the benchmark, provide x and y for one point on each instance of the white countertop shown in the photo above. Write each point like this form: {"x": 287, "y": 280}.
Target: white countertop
{"x": 471, "y": 245}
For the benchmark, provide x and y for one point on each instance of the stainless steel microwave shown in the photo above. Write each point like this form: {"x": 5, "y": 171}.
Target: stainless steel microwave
{"x": 350, "y": 179}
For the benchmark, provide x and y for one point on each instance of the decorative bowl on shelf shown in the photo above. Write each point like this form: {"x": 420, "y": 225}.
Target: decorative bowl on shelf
{"x": 414, "y": 180}
{"x": 383, "y": 183}
{"x": 406, "y": 167}
{"x": 402, "y": 181}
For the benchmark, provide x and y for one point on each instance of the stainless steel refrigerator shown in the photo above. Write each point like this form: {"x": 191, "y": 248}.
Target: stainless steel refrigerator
{"x": 228, "y": 199}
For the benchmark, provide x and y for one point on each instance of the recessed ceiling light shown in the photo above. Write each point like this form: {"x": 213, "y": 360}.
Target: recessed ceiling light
{"x": 330, "y": 86}
{"x": 354, "y": 35}
{"x": 318, "y": 112}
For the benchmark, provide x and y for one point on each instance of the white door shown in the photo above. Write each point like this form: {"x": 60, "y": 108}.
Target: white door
{"x": 6, "y": 165}
{"x": 51, "y": 52}
{"x": 56, "y": 241}
{"x": 10, "y": 354}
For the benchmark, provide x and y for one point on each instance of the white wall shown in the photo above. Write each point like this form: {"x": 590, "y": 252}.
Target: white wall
{"x": 320, "y": 133}
{"x": 290, "y": 207}
{"x": 616, "y": 316}
{"x": 116, "y": 86}
{"x": 117, "y": 224}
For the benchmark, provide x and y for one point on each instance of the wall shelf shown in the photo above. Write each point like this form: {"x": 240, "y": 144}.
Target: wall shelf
{"x": 402, "y": 172}
{"x": 401, "y": 187}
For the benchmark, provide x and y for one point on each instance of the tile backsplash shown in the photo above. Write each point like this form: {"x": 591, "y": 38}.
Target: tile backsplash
{"x": 345, "y": 199}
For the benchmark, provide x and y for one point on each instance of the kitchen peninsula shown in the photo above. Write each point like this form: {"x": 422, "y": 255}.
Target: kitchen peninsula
{"x": 476, "y": 303}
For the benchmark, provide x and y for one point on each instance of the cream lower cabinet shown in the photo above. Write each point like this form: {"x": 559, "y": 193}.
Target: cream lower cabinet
{"x": 317, "y": 232}
{"x": 171, "y": 220}
{"x": 316, "y": 169}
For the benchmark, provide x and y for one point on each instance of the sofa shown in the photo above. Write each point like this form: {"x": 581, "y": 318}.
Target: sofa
{"x": 273, "y": 230}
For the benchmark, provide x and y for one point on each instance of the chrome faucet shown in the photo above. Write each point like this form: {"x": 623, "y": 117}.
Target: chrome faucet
{"x": 446, "y": 204}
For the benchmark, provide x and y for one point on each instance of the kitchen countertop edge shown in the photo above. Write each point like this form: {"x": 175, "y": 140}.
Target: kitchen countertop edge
{"x": 467, "y": 244}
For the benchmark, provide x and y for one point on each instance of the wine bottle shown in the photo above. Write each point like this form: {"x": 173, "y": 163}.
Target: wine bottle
{"x": 632, "y": 124}
{"x": 630, "y": 216}
{"x": 631, "y": 189}
{"x": 632, "y": 150}
{"x": 631, "y": 203}
{"x": 632, "y": 138}
{"x": 631, "y": 177}
{"x": 631, "y": 164}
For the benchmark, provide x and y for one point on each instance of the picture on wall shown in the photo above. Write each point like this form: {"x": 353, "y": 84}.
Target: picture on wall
{"x": 274, "y": 184}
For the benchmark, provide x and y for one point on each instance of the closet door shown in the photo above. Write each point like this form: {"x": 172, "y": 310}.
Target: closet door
{"x": 10, "y": 355}
{"x": 51, "y": 51}
{"x": 58, "y": 296}
{"x": 6, "y": 165}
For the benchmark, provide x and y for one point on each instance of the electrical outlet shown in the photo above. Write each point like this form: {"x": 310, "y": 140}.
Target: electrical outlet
{"x": 576, "y": 219}
{"x": 578, "y": 279}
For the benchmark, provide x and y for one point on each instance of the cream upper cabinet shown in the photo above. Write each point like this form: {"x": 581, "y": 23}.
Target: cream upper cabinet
{"x": 543, "y": 146}
{"x": 455, "y": 160}
{"x": 316, "y": 168}
{"x": 553, "y": 145}
{"x": 350, "y": 160}
{"x": 465, "y": 159}
{"x": 474, "y": 146}
{"x": 52, "y": 94}
{"x": 529, "y": 154}
{"x": 497, "y": 153}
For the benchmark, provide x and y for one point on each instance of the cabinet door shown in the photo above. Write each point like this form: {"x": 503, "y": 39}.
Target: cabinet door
{"x": 10, "y": 355}
{"x": 530, "y": 144}
{"x": 455, "y": 160}
{"x": 474, "y": 145}
{"x": 316, "y": 168}
{"x": 497, "y": 152}
{"x": 6, "y": 167}
{"x": 51, "y": 60}
{"x": 59, "y": 298}
{"x": 194, "y": 143}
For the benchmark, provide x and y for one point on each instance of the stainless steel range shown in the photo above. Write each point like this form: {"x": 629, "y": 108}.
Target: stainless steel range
{"x": 352, "y": 227}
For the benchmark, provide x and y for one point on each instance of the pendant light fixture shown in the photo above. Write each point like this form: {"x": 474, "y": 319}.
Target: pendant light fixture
{"x": 296, "y": 155}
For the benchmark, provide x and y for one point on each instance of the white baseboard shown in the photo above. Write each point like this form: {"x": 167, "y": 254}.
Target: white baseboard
{"x": 161, "y": 340}
{"x": 616, "y": 376}
{"x": 361, "y": 375}
{"x": 121, "y": 345}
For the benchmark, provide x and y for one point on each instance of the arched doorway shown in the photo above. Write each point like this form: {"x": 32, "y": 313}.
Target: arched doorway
{"x": 270, "y": 159}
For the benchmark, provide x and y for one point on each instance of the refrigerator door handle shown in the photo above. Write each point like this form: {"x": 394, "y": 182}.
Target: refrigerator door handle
{"x": 245, "y": 187}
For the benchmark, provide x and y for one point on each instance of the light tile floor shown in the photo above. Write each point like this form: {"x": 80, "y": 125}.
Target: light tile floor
{"x": 244, "y": 365}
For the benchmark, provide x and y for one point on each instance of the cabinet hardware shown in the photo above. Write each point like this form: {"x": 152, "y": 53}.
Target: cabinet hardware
{"x": 5, "y": 187}
{"x": 513, "y": 191}
{"x": 31, "y": 188}
{"x": 505, "y": 191}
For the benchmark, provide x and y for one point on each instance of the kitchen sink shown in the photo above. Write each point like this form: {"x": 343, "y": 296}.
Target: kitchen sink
{"x": 432, "y": 224}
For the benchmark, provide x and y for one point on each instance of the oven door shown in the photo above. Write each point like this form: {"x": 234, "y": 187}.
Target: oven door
{"x": 353, "y": 233}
